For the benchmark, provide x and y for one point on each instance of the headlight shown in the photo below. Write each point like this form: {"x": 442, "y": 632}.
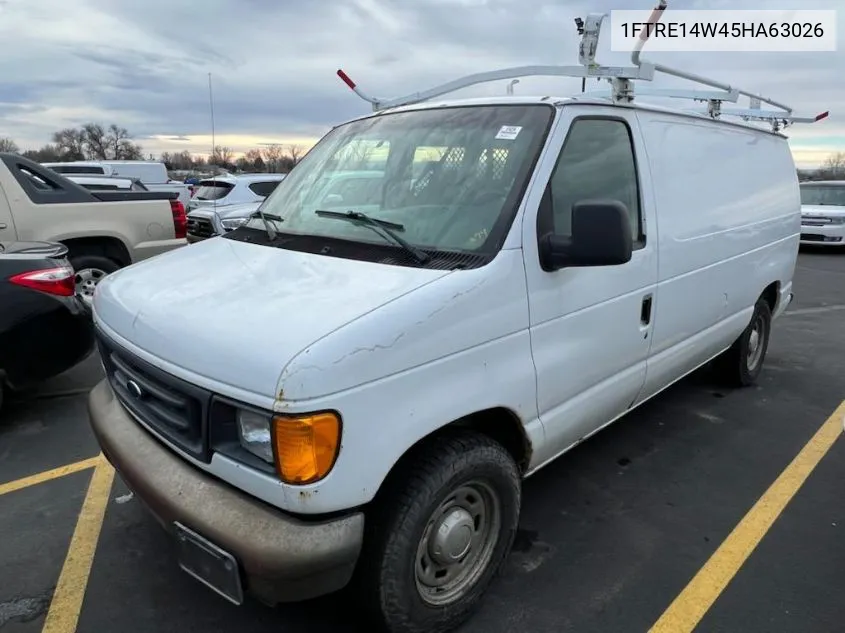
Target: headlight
{"x": 838, "y": 220}
{"x": 303, "y": 448}
{"x": 254, "y": 434}
{"x": 230, "y": 224}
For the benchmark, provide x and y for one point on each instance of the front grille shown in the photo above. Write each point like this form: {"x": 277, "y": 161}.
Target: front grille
{"x": 811, "y": 221}
{"x": 812, "y": 237}
{"x": 169, "y": 406}
{"x": 200, "y": 227}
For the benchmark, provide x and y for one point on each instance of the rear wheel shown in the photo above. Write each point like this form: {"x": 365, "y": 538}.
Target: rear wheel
{"x": 90, "y": 270}
{"x": 741, "y": 364}
{"x": 440, "y": 533}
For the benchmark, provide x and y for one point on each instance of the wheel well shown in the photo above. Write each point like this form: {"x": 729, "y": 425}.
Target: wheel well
{"x": 771, "y": 294}
{"x": 499, "y": 424}
{"x": 110, "y": 247}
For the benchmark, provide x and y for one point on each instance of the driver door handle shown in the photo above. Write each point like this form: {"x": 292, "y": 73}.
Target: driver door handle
{"x": 645, "y": 312}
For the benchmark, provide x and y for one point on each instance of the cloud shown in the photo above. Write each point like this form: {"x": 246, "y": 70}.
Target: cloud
{"x": 273, "y": 63}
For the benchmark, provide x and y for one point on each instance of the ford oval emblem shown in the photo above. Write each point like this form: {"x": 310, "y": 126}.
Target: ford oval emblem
{"x": 134, "y": 389}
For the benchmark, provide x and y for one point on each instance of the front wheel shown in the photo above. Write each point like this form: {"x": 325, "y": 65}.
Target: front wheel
{"x": 440, "y": 533}
{"x": 741, "y": 364}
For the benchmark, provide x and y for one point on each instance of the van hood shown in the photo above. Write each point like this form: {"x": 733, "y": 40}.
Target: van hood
{"x": 236, "y": 312}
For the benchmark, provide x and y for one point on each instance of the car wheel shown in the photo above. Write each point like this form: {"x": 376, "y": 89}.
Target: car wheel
{"x": 90, "y": 270}
{"x": 741, "y": 364}
{"x": 440, "y": 533}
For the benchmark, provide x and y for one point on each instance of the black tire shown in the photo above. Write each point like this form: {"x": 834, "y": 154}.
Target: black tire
{"x": 442, "y": 469}
{"x": 737, "y": 367}
{"x": 91, "y": 262}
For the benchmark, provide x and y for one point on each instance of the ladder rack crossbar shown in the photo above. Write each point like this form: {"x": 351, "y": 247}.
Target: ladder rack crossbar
{"x": 674, "y": 93}
{"x": 619, "y": 77}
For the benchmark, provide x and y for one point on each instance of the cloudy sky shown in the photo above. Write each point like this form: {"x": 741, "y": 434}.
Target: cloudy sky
{"x": 145, "y": 65}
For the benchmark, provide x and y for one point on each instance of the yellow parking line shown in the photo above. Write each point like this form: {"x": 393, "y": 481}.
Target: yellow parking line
{"x": 73, "y": 580}
{"x": 47, "y": 475}
{"x": 687, "y": 610}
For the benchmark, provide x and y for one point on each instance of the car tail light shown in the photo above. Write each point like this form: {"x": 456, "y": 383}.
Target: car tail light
{"x": 180, "y": 219}
{"x": 55, "y": 281}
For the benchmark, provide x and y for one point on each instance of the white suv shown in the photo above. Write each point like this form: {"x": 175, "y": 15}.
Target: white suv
{"x": 216, "y": 196}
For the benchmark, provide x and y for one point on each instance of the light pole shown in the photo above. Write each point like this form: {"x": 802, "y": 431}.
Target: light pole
{"x": 512, "y": 83}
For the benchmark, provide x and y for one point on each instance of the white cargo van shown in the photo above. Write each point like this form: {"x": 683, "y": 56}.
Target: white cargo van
{"x": 367, "y": 387}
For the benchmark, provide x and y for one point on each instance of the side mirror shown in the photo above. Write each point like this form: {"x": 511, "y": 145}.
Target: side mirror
{"x": 601, "y": 236}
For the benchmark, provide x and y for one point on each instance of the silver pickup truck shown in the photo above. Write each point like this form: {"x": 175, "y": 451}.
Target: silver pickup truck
{"x": 103, "y": 230}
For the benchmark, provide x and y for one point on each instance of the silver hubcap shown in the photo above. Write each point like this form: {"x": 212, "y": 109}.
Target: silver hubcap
{"x": 457, "y": 543}
{"x": 755, "y": 342}
{"x": 86, "y": 282}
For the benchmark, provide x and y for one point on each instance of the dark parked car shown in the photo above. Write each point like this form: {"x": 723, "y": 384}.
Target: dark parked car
{"x": 44, "y": 328}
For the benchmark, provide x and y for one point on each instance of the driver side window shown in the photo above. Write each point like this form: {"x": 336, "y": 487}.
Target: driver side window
{"x": 597, "y": 161}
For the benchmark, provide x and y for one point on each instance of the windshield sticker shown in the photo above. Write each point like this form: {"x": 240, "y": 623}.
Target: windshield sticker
{"x": 509, "y": 132}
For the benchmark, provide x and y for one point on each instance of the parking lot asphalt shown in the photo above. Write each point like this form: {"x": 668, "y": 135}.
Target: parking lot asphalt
{"x": 669, "y": 520}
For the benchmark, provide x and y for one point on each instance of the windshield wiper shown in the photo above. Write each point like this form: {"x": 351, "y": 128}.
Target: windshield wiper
{"x": 266, "y": 217}
{"x": 381, "y": 227}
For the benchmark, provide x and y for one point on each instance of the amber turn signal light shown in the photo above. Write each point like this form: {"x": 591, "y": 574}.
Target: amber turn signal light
{"x": 306, "y": 446}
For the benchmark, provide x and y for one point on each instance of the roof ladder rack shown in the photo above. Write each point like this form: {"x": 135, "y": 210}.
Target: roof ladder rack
{"x": 620, "y": 78}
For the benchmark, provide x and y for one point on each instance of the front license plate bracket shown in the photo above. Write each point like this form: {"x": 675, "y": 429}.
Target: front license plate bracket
{"x": 214, "y": 567}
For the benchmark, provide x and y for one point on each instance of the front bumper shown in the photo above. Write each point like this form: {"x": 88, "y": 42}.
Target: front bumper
{"x": 825, "y": 235}
{"x": 282, "y": 558}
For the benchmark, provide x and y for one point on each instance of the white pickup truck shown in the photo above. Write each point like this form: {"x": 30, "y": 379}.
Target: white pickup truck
{"x": 103, "y": 230}
{"x": 153, "y": 174}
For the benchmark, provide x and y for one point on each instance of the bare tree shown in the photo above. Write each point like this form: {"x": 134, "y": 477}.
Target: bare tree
{"x": 120, "y": 145}
{"x": 254, "y": 160}
{"x": 273, "y": 155}
{"x": 8, "y": 145}
{"x": 70, "y": 143}
{"x": 833, "y": 167}
{"x": 222, "y": 156}
{"x": 46, "y": 154}
{"x": 295, "y": 153}
{"x": 95, "y": 142}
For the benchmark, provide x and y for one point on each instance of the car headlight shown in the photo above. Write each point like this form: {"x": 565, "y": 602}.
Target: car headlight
{"x": 254, "y": 434}
{"x": 303, "y": 448}
{"x": 230, "y": 224}
{"x": 838, "y": 220}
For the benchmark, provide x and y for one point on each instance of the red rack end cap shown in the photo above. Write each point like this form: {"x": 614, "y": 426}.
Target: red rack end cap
{"x": 346, "y": 79}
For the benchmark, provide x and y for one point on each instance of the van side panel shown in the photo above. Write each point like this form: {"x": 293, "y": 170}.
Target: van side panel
{"x": 728, "y": 209}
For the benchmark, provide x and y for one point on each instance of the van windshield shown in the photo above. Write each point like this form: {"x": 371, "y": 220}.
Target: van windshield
{"x": 823, "y": 195}
{"x": 451, "y": 178}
